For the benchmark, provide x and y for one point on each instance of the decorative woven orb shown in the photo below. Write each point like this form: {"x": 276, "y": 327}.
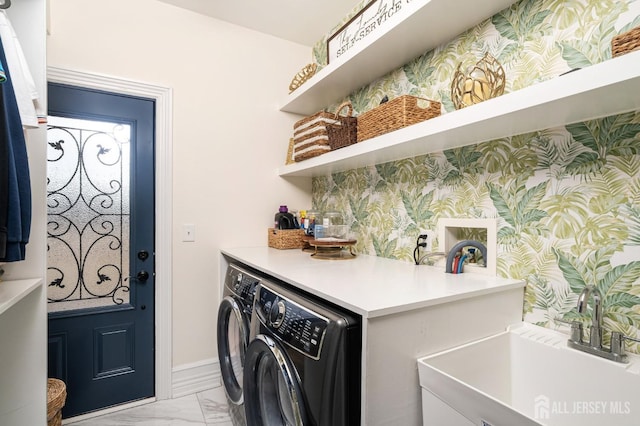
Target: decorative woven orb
{"x": 305, "y": 74}
{"x": 485, "y": 80}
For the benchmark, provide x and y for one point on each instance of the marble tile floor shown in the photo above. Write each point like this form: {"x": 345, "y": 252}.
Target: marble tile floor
{"x": 206, "y": 408}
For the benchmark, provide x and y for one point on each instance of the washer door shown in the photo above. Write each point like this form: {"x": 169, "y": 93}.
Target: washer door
{"x": 273, "y": 394}
{"x": 233, "y": 338}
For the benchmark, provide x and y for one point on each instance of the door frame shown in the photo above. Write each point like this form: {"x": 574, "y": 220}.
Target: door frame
{"x": 163, "y": 203}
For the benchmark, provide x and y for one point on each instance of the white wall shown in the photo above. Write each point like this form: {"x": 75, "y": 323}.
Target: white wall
{"x": 228, "y": 135}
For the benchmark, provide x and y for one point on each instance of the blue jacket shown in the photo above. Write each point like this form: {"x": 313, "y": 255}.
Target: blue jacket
{"x": 15, "y": 183}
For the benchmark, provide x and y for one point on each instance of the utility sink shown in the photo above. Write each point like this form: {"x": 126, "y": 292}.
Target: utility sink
{"x": 527, "y": 376}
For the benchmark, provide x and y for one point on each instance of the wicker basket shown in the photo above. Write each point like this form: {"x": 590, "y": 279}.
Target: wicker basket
{"x": 289, "y": 159}
{"x": 310, "y": 136}
{"x": 345, "y": 131}
{"x": 400, "y": 112}
{"x": 625, "y": 42}
{"x": 322, "y": 132}
{"x": 56, "y": 397}
{"x": 286, "y": 238}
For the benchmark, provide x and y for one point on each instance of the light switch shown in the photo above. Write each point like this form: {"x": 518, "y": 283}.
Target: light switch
{"x": 188, "y": 232}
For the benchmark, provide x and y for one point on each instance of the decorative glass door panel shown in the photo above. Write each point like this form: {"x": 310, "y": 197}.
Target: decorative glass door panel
{"x": 88, "y": 186}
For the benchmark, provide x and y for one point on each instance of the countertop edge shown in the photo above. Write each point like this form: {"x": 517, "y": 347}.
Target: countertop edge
{"x": 506, "y": 284}
{"x": 445, "y": 299}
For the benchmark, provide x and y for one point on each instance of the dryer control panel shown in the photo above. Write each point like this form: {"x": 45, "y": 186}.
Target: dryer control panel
{"x": 295, "y": 325}
{"x": 242, "y": 284}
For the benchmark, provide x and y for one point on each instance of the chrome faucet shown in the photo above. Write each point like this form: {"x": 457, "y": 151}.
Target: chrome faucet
{"x": 595, "y": 333}
{"x": 594, "y": 345}
{"x": 616, "y": 352}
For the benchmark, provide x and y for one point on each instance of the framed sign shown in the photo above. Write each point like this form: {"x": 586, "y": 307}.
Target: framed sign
{"x": 365, "y": 23}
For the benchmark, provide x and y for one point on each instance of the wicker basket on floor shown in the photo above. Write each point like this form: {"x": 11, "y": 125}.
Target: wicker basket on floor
{"x": 56, "y": 397}
{"x": 285, "y": 238}
{"x": 397, "y": 113}
{"x": 625, "y": 42}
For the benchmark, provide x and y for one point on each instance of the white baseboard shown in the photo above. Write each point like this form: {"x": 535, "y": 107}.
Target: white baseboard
{"x": 196, "y": 377}
{"x": 108, "y": 410}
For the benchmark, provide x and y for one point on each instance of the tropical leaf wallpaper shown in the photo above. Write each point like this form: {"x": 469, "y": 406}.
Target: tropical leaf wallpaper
{"x": 567, "y": 199}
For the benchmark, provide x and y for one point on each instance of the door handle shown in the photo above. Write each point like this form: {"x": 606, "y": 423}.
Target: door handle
{"x": 142, "y": 276}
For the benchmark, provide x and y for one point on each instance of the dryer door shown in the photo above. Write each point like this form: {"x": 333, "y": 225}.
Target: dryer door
{"x": 233, "y": 338}
{"x": 273, "y": 395}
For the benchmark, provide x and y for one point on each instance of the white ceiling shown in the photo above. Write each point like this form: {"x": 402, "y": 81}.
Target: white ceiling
{"x": 301, "y": 21}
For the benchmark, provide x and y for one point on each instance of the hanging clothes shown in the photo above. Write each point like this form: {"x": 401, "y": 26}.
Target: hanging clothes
{"x": 4, "y": 181}
{"x": 15, "y": 182}
{"x": 3, "y": 78}
{"x": 24, "y": 86}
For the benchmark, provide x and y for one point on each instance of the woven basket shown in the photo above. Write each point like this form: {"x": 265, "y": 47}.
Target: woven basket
{"x": 289, "y": 159}
{"x": 400, "y": 112}
{"x": 345, "y": 131}
{"x": 285, "y": 238}
{"x": 625, "y": 42}
{"x": 56, "y": 397}
{"x": 310, "y": 136}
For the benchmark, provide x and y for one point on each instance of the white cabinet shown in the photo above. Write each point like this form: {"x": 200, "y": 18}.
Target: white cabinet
{"x": 604, "y": 89}
{"x": 23, "y": 370}
{"x": 436, "y": 412}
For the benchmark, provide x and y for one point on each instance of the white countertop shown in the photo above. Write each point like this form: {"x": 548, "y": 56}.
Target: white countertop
{"x": 369, "y": 285}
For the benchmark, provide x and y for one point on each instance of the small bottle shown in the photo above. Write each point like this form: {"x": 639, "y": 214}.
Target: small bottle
{"x": 310, "y": 222}
{"x": 303, "y": 216}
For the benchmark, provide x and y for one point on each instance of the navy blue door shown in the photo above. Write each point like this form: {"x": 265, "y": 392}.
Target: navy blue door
{"x": 100, "y": 242}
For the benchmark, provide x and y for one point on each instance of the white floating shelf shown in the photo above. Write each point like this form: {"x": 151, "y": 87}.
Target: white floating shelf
{"x": 12, "y": 292}
{"x": 431, "y": 23}
{"x": 611, "y": 87}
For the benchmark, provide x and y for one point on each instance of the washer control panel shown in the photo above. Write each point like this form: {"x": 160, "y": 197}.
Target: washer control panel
{"x": 295, "y": 325}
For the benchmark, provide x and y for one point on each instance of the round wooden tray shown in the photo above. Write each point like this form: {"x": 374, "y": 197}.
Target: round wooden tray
{"x": 332, "y": 249}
